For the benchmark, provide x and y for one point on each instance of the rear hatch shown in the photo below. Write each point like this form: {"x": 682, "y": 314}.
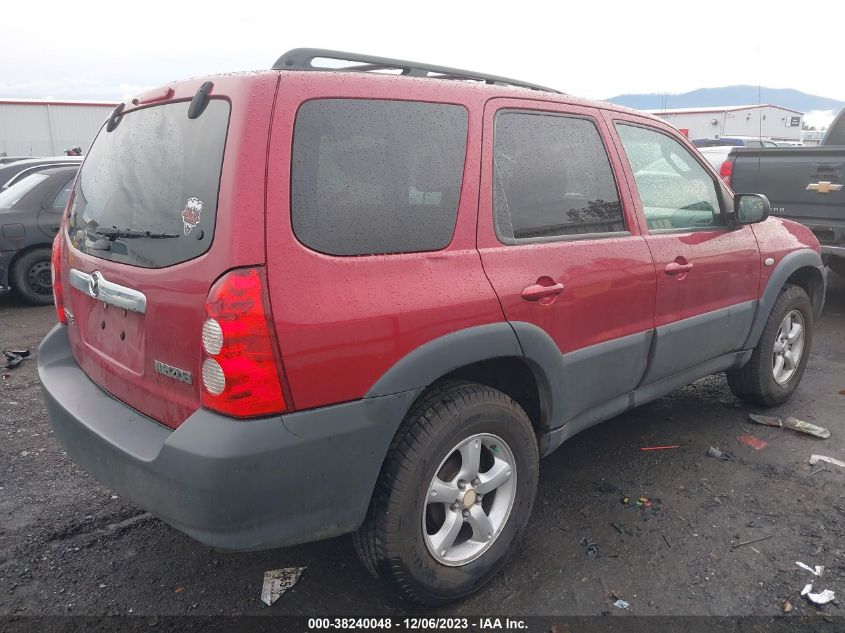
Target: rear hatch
{"x": 163, "y": 205}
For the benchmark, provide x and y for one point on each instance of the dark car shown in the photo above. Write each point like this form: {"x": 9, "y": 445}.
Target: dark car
{"x": 734, "y": 141}
{"x": 5, "y": 160}
{"x": 13, "y": 172}
{"x": 30, "y": 215}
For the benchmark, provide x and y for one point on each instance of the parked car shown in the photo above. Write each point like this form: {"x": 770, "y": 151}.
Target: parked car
{"x": 304, "y": 302}
{"x": 30, "y": 215}
{"x": 734, "y": 141}
{"x": 17, "y": 170}
{"x": 716, "y": 150}
{"x": 804, "y": 184}
{"x": 5, "y": 160}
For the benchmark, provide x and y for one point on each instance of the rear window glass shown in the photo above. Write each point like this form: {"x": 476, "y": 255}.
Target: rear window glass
{"x": 147, "y": 192}
{"x": 372, "y": 177}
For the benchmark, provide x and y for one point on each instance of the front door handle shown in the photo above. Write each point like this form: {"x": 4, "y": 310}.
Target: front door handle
{"x": 545, "y": 290}
{"x": 678, "y": 268}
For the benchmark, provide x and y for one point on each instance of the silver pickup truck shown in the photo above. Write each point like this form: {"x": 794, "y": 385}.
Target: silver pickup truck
{"x": 805, "y": 184}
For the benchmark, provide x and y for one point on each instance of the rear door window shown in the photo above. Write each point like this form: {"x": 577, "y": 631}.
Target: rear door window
{"x": 552, "y": 178}
{"x": 373, "y": 176}
{"x": 147, "y": 192}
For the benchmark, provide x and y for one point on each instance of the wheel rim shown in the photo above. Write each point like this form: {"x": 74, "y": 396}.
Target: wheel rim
{"x": 789, "y": 347}
{"x": 469, "y": 499}
{"x": 39, "y": 278}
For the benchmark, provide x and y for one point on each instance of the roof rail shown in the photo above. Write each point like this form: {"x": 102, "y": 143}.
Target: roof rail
{"x": 303, "y": 58}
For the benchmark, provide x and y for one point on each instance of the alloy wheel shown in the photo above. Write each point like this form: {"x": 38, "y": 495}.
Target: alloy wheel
{"x": 788, "y": 348}
{"x": 469, "y": 499}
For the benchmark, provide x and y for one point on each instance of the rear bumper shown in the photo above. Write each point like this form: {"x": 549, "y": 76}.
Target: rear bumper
{"x": 830, "y": 233}
{"x": 232, "y": 484}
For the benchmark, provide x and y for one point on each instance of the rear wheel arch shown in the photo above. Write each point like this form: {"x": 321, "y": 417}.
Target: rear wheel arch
{"x": 518, "y": 378}
{"x": 490, "y": 355}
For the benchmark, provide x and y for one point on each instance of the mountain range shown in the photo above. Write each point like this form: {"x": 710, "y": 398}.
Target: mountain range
{"x": 729, "y": 96}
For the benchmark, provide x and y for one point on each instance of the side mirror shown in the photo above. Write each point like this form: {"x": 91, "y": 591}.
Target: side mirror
{"x": 751, "y": 208}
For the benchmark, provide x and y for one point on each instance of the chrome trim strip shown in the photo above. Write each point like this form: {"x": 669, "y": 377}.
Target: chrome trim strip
{"x": 98, "y": 287}
{"x": 832, "y": 249}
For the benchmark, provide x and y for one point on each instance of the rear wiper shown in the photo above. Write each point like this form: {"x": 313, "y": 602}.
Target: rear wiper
{"x": 114, "y": 233}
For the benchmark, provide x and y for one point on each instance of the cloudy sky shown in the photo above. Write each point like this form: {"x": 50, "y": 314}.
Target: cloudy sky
{"x": 112, "y": 50}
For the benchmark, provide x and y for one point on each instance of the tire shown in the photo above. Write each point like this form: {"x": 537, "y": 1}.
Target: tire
{"x": 31, "y": 277}
{"x": 759, "y": 381}
{"x": 397, "y": 538}
{"x": 837, "y": 265}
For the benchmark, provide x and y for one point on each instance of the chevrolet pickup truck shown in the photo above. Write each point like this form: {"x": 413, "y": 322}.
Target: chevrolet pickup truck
{"x": 805, "y": 184}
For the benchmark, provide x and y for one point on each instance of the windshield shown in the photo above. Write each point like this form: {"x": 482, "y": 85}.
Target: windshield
{"x": 11, "y": 196}
{"x": 156, "y": 173}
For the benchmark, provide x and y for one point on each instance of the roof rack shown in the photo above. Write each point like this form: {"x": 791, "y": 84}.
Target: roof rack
{"x": 303, "y": 59}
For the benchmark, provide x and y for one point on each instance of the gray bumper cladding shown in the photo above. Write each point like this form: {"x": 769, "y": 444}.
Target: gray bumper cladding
{"x": 232, "y": 484}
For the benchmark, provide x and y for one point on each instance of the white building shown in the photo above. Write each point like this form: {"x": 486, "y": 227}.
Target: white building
{"x": 36, "y": 127}
{"x": 769, "y": 121}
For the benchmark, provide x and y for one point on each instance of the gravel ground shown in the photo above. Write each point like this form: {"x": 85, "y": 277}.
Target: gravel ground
{"x": 68, "y": 545}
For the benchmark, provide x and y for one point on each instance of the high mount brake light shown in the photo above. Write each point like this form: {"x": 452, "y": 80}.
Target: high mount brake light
{"x": 240, "y": 372}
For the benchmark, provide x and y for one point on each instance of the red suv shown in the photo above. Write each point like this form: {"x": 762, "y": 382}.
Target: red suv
{"x": 305, "y": 302}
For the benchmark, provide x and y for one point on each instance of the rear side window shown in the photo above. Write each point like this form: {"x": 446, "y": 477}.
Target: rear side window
{"x": 552, "y": 178}
{"x": 147, "y": 192}
{"x": 372, "y": 177}
{"x": 60, "y": 201}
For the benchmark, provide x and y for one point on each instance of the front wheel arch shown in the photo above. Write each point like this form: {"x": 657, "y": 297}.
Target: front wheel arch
{"x": 804, "y": 267}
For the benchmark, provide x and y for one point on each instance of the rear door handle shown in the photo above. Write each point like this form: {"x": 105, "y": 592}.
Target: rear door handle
{"x": 674, "y": 268}
{"x": 542, "y": 289}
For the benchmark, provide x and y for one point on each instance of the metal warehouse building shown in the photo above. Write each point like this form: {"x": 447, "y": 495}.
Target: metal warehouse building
{"x": 35, "y": 127}
{"x": 769, "y": 121}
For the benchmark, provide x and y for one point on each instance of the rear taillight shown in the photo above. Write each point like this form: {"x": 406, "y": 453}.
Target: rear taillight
{"x": 56, "y": 269}
{"x": 726, "y": 171}
{"x": 240, "y": 368}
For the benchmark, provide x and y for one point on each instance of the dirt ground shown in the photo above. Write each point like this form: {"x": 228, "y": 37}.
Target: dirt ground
{"x": 68, "y": 545}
